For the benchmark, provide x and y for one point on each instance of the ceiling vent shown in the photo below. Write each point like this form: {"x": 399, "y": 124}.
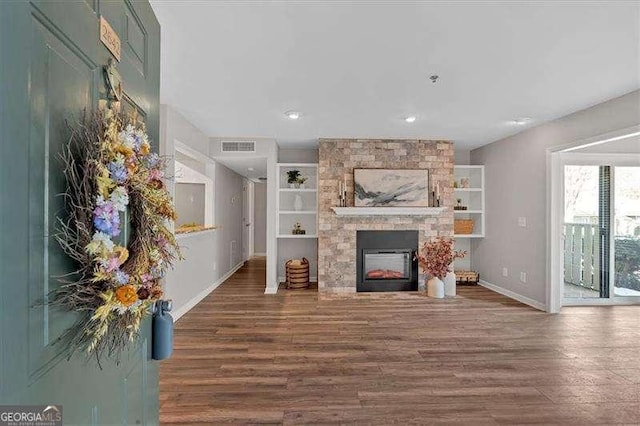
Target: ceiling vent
{"x": 238, "y": 146}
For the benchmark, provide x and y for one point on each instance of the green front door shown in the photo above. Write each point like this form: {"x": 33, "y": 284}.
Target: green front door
{"x": 50, "y": 70}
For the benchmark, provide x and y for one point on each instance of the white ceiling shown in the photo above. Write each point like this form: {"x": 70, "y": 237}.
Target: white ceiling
{"x": 241, "y": 165}
{"x": 355, "y": 69}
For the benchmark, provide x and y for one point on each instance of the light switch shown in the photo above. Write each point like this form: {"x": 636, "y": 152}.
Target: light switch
{"x": 522, "y": 222}
{"x": 505, "y": 272}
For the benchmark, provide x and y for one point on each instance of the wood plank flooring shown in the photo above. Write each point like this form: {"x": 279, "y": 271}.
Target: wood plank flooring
{"x": 398, "y": 358}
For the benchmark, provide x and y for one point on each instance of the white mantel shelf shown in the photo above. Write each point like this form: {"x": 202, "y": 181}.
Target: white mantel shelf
{"x": 388, "y": 211}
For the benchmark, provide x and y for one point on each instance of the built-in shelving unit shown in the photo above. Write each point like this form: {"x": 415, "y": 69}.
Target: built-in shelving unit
{"x": 297, "y": 245}
{"x": 472, "y": 197}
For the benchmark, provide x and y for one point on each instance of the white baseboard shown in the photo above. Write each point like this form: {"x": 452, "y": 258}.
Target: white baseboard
{"x": 259, "y": 254}
{"x": 271, "y": 290}
{"x": 515, "y": 296}
{"x": 204, "y": 293}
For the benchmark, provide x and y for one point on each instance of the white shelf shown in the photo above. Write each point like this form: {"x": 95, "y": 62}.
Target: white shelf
{"x": 388, "y": 211}
{"x": 298, "y": 212}
{"x": 297, "y": 236}
{"x": 468, "y": 212}
{"x": 467, "y": 189}
{"x": 468, "y": 236}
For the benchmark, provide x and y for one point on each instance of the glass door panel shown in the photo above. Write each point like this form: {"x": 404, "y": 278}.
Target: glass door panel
{"x": 581, "y": 232}
{"x": 627, "y": 231}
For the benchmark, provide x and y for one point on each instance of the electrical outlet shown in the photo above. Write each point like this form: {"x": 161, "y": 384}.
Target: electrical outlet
{"x": 522, "y": 222}
{"x": 523, "y": 277}
{"x": 505, "y": 272}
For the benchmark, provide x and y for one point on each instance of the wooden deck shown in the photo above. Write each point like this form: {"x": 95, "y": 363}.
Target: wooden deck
{"x": 245, "y": 357}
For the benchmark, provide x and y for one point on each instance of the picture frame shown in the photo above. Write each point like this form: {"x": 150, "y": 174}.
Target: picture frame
{"x": 391, "y": 187}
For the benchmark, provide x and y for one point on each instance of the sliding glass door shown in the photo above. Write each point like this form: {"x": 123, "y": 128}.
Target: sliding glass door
{"x": 626, "y": 240}
{"x": 601, "y": 229}
{"x": 581, "y": 231}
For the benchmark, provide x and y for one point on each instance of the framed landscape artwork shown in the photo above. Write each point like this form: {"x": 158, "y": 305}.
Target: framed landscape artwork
{"x": 391, "y": 188}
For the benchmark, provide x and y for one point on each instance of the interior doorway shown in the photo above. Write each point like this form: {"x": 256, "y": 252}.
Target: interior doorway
{"x": 595, "y": 229}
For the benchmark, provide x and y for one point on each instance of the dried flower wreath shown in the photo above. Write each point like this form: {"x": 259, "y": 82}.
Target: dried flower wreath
{"x": 115, "y": 183}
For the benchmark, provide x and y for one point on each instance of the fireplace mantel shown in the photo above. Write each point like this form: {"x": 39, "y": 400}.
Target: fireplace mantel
{"x": 388, "y": 211}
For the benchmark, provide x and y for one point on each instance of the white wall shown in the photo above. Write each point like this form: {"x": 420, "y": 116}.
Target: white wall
{"x": 260, "y": 218}
{"x": 289, "y": 155}
{"x": 462, "y": 157}
{"x": 516, "y": 186}
{"x": 207, "y": 258}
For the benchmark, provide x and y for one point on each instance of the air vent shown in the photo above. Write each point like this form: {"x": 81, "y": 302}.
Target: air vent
{"x": 238, "y": 146}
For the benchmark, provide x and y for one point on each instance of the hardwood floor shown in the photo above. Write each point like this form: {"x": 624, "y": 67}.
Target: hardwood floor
{"x": 398, "y": 358}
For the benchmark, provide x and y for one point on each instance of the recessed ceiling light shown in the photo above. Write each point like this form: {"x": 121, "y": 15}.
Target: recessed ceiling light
{"x": 250, "y": 169}
{"x": 410, "y": 119}
{"x": 521, "y": 121}
{"x": 292, "y": 115}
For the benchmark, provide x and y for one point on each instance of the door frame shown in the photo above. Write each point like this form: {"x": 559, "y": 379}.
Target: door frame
{"x": 556, "y": 160}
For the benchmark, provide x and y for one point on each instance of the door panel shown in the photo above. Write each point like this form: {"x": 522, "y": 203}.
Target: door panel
{"x": 627, "y": 231}
{"x": 60, "y": 87}
{"x": 581, "y": 232}
{"x": 54, "y": 73}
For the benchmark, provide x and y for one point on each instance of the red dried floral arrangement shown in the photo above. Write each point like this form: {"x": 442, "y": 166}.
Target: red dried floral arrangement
{"x": 437, "y": 255}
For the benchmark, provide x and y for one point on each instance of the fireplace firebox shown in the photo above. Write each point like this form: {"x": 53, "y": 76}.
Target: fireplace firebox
{"x": 385, "y": 261}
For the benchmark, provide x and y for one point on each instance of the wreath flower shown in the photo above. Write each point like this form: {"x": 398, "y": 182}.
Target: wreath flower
{"x": 114, "y": 180}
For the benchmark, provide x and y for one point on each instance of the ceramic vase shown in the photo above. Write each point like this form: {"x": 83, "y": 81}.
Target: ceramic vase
{"x": 297, "y": 203}
{"x": 435, "y": 288}
{"x": 450, "y": 284}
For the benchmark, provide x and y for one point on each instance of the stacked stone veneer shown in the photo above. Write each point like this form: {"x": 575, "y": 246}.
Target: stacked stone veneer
{"x": 337, "y": 235}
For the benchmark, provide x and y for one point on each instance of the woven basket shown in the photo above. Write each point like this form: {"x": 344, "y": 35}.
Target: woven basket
{"x": 297, "y": 275}
{"x": 463, "y": 226}
{"x": 467, "y": 277}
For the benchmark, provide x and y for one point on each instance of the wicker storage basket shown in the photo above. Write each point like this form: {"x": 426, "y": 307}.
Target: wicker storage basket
{"x": 467, "y": 277}
{"x": 463, "y": 226}
{"x": 297, "y": 275}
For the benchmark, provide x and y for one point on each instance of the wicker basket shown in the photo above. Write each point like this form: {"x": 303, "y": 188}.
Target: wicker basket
{"x": 463, "y": 226}
{"x": 467, "y": 277}
{"x": 297, "y": 275}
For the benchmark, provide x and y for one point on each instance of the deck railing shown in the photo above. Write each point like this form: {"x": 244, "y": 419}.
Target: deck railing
{"x": 581, "y": 255}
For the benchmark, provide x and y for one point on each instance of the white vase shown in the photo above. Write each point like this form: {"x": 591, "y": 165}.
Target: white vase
{"x": 297, "y": 203}
{"x": 450, "y": 284}
{"x": 292, "y": 185}
{"x": 302, "y": 186}
{"x": 435, "y": 288}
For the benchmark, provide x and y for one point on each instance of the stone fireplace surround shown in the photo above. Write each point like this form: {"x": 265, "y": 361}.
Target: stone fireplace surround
{"x": 337, "y": 235}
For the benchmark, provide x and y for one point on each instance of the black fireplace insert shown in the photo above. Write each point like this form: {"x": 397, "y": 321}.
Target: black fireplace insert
{"x": 385, "y": 261}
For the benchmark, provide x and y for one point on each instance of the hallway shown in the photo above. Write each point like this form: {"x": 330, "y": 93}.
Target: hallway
{"x": 245, "y": 357}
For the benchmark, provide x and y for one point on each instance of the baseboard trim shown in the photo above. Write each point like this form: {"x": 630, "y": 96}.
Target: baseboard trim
{"x": 259, "y": 254}
{"x": 204, "y": 293}
{"x": 512, "y": 295}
